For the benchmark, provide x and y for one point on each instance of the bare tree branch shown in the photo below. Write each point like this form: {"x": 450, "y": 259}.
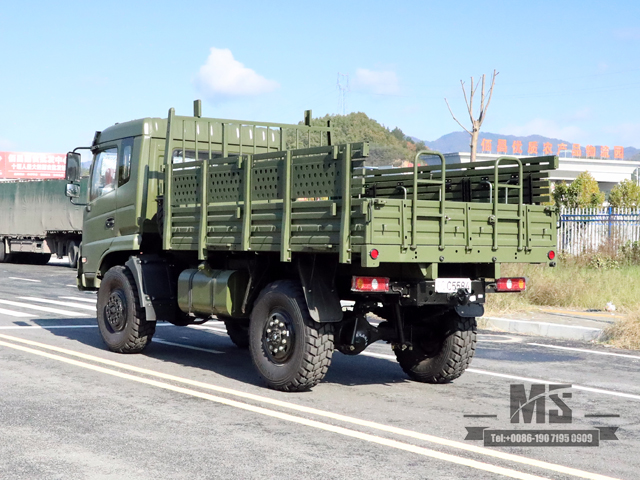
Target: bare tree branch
{"x": 454, "y": 117}
{"x": 464, "y": 92}
{"x": 471, "y": 101}
{"x": 493, "y": 82}
{"x": 468, "y": 100}
{"x": 482, "y": 99}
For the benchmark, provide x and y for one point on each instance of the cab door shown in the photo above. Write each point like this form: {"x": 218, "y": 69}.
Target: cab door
{"x": 100, "y": 217}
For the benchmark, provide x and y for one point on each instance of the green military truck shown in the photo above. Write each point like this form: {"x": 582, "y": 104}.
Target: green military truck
{"x": 36, "y": 221}
{"x": 271, "y": 228}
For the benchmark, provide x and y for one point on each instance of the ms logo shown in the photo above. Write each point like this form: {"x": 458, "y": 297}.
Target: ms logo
{"x": 537, "y": 400}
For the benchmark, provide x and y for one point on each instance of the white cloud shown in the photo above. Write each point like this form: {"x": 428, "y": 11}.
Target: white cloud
{"x": 625, "y": 134}
{"x": 546, "y": 128}
{"x": 222, "y": 76}
{"x": 380, "y": 82}
{"x": 6, "y": 144}
{"x": 582, "y": 114}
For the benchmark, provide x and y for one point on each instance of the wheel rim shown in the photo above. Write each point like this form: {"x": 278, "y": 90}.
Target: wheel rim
{"x": 278, "y": 337}
{"x": 115, "y": 311}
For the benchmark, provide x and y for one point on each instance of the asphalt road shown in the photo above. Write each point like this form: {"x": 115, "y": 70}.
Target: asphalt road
{"x": 192, "y": 406}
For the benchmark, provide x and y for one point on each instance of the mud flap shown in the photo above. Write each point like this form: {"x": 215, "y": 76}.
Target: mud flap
{"x": 155, "y": 286}
{"x": 470, "y": 310}
{"x": 317, "y": 275}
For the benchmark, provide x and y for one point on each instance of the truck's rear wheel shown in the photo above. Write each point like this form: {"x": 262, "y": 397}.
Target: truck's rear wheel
{"x": 73, "y": 253}
{"x": 121, "y": 319}
{"x": 443, "y": 355}
{"x": 289, "y": 349}
{"x": 238, "y": 331}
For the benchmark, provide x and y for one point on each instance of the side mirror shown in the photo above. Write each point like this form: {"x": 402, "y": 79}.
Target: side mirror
{"x": 72, "y": 173}
{"x": 72, "y": 190}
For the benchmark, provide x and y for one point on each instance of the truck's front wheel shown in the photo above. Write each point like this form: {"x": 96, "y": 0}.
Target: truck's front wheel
{"x": 289, "y": 349}
{"x": 442, "y": 354}
{"x": 121, "y": 319}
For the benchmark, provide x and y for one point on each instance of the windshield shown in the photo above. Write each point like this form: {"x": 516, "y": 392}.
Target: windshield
{"x": 103, "y": 179}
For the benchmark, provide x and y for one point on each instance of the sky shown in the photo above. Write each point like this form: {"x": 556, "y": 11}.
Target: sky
{"x": 567, "y": 69}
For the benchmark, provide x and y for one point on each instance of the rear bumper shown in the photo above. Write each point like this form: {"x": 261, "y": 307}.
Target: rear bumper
{"x": 424, "y": 293}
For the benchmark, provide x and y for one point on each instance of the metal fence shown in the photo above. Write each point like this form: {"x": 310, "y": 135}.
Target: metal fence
{"x": 587, "y": 229}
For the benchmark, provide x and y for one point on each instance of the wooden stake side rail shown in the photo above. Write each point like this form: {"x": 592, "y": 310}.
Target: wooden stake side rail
{"x": 312, "y": 200}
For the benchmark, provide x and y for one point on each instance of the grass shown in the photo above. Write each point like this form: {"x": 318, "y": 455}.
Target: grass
{"x": 570, "y": 285}
{"x": 625, "y": 333}
{"x": 585, "y": 282}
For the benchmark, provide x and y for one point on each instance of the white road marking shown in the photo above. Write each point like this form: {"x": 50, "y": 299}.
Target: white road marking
{"x": 43, "y": 309}
{"x": 51, "y": 327}
{"x": 525, "y": 379}
{"x": 26, "y": 279}
{"x": 584, "y": 350}
{"x": 308, "y": 422}
{"x": 11, "y": 313}
{"x": 182, "y": 345}
{"x": 27, "y": 327}
{"x": 314, "y": 411}
{"x": 57, "y": 302}
{"x": 393, "y": 358}
{"x": 202, "y": 327}
{"x": 74, "y": 286}
{"x": 488, "y": 337}
{"x": 544, "y": 323}
{"x": 88, "y": 300}
{"x": 538, "y": 380}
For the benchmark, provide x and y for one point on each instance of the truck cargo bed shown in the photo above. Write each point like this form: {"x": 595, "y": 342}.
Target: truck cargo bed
{"x": 324, "y": 200}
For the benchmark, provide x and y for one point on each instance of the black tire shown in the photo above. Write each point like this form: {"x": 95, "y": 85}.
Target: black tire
{"x": 441, "y": 356}
{"x": 73, "y": 252}
{"x": 238, "y": 331}
{"x": 4, "y": 257}
{"x": 39, "y": 258}
{"x": 308, "y": 346}
{"x": 121, "y": 319}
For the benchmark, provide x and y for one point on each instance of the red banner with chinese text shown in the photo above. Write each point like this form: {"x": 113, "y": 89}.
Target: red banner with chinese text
{"x": 28, "y": 165}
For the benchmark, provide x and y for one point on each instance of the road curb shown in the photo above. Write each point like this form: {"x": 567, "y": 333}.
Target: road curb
{"x": 541, "y": 329}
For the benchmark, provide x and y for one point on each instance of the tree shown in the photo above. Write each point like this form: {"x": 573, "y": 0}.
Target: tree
{"x": 476, "y": 123}
{"x": 387, "y": 147}
{"x": 397, "y": 133}
{"x": 583, "y": 192}
{"x": 625, "y": 194}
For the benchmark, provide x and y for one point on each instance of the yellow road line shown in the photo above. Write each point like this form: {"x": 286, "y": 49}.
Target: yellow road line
{"x": 290, "y": 418}
{"x": 322, "y": 413}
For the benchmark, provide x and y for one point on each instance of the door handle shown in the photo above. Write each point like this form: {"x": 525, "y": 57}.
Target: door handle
{"x": 110, "y": 222}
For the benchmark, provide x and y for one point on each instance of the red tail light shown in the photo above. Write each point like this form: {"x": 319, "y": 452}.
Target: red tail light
{"x": 551, "y": 255}
{"x": 511, "y": 284}
{"x": 369, "y": 284}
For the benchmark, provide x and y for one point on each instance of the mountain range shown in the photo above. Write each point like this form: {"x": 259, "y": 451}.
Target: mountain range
{"x": 459, "y": 142}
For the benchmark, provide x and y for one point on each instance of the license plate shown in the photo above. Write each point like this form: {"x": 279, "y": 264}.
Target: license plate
{"x": 452, "y": 285}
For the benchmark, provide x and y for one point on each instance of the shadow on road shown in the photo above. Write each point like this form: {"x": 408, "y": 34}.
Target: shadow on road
{"x": 232, "y": 362}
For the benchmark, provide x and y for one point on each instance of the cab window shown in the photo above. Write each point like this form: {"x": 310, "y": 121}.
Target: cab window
{"x": 103, "y": 178}
{"x": 124, "y": 164}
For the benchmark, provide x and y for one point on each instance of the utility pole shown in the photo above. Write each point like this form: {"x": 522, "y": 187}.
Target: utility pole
{"x": 343, "y": 89}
